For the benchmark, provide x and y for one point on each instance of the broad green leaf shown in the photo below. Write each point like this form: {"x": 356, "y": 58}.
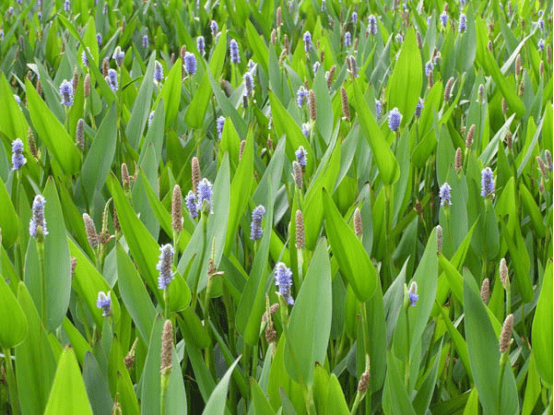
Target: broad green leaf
{"x": 68, "y": 394}
{"x": 77, "y": 341}
{"x": 13, "y": 324}
{"x": 336, "y": 402}
{"x": 259, "y": 401}
{"x": 542, "y": 329}
{"x": 395, "y": 396}
{"x": 134, "y": 294}
{"x": 310, "y": 320}
{"x": 52, "y": 132}
{"x": 96, "y": 385}
{"x": 383, "y": 156}
{"x": 257, "y": 45}
{"x": 218, "y": 398}
{"x": 404, "y": 85}
{"x": 353, "y": 260}
{"x": 10, "y": 222}
{"x": 35, "y": 361}
{"x": 13, "y": 123}
{"x": 171, "y": 92}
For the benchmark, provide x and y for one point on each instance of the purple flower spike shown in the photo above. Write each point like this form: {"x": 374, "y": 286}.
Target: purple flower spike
{"x": 190, "y": 63}
{"x": 256, "y": 224}
{"x": 301, "y": 96}
{"x": 347, "y": 39}
{"x": 201, "y": 45}
{"x": 354, "y": 17}
{"x": 412, "y": 294}
{"x": 445, "y": 195}
{"x": 301, "y": 156}
{"x": 378, "y": 108}
{"x": 158, "y": 72}
{"x": 84, "y": 57}
{"x": 17, "y": 154}
{"x": 444, "y": 19}
{"x": 372, "y": 22}
{"x": 66, "y": 91}
{"x": 394, "y": 119}
{"x": 145, "y": 41}
{"x": 487, "y": 183}
{"x": 118, "y": 56}
{"x": 307, "y": 41}
{"x": 235, "y": 57}
{"x": 38, "y": 217}
{"x": 99, "y": 39}
{"x": 220, "y": 123}
{"x": 463, "y": 23}
{"x": 190, "y": 201}
{"x": 419, "y": 108}
{"x": 204, "y": 193}
{"x": 104, "y": 302}
{"x": 164, "y": 266}
{"x": 283, "y": 280}
{"x": 111, "y": 79}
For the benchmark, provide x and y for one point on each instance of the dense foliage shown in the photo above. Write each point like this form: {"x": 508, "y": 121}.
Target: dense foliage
{"x": 267, "y": 207}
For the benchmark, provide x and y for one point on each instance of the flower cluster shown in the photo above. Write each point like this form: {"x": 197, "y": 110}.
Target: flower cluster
{"x": 104, "y": 302}
{"x": 164, "y": 266}
{"x": 256, "y": 224}
{"x": 18, "y": 160}
{"x": 283, "y": 280}
{"x": 38, "y": 220}
{"x": 445, "y": 195}
{"x": 66, "y": 91}
{"x": 394, "y": 119}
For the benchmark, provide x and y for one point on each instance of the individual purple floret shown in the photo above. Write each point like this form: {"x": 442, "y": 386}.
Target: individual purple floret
{"x": 307, "y": 41}
{"x": 256, "y": 224}
{"x": 204, "y": 192}
{"x": 17, "y": 154}
{"x": 412, "y": 294}
{"x": 67, "y": 6}
{"x": 158, "y": 72}
{"x": 66, "y": 91}
{"x": 540, "y": 45}
{"x": 190, "y": 201}
{"x": 399, "y": 38}
{"x": 429, "y": 68}
{"x": 220, "y": 123}
{"x": 306, "y": 130}
{"x": 316, "y": 66}
{"x": 190, "y": 63}
{"x": 444, "y": 19}
{"x": 487, "y": 183}
{"x": 283, "y": 280}
{"x": 419, "y": 108}
{"x": 111, "y": 79}
{"x": 463, "y": 23}
{"x": 164, "y": 266}
{"x": 354, "y": 17}
{"x": 234, "y": 47}
{"x": 118, "y": 56}
{"x": 201, "y": 45}
{"x": 145, "y": 41}
{"x": 444, "y": 194}
{"x": 301, "y": 96}
{"x": 540, "y": 22}
{"x": 378, "y": 108}
{"x": 347, "y": 39}
{"x": 394, "y": 119}
{"x": 301, "y": 156}
{"x": 38, "y": 217}
{"x": 104, "y": 302}
{"x": 372, "y": 22}
{"x": 99, "y": 39}
{"x": 84, "y": 57}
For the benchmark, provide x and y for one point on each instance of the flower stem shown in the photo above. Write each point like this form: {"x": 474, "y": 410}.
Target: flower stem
{"x": 42, "y": 266}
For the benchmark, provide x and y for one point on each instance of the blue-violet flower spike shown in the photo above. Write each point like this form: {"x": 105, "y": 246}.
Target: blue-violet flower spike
{"x": 235, "y": 57}
{"x": 256, "y": 224}
{"x": 112, "y": 79}
{"x": 283, "y": 280}
{"x": 419, "y": 107}
{"x": 444, "y": 193}
{"x": 164, "y": 266}
{"x": 204, "y": 192}
{"x": 17, "y": 154}
{"x": 66, "y": 91}
{"x": 412, "y": 293}
{"x": 220, "y": 123}
{"x": 158, "y": 72}
{"x": 104, "y": 302}
{"x": 394, "y": 119}
{"x": 190, "y": 201}
{"x": 190, "y": 63}
{"x": 201, "y": 45}
{"x": 301, "y": 156}
{"x": 38, "y": 217}
{"x": 307, "y": 41}
{"x": 487, "y": 183}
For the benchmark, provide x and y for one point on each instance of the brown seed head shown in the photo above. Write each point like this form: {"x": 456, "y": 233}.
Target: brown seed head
{"x": 541, "y": 68}
{"x": 167, "y": 346}
{"x": 549, "y": 53}
{"x": 196, "y": 174}
{"x": 458, "y": 160}
{"x": 439, "y": 238}
{"x": 430, "y": 82}
{"x": 80, "y": 134}
{"x": 470, "y": 134}
{"x": 32, "y": 145}
{"x": 73, "y": 266}
{"x": 272, "y": 310}
{"x": 273, "y": 36}
{"x": 92, "y": 236}
{"x": 278, "y": 17}
{"x": 448, "y": 88}
{"x": 330, "y": 75}
{"x": 313, "y": 110}
{"x": 182, "y": 52}
{"x": 485, "y": 290}
{"x": 419, "y": 41}
{"x": 322, "y": 55}
{"x": 503, "y": 271}
{"x": 509, "y": 140}
{"x": 300, "y": 234}
{"x": 344, "y": 102}
{"x": 116, "y": 220}
{"x": 75, "y": 79}
{"x": 176, "y": 209}
{"x": 506, "y": 333}
{"x": 490, "y": 46}
{"x": 270, "y": 333}
{"x": 542, "y": 167}
{"x": 105, "y": 67}
{"x": 504, "y": 106}
{"x": 358, "y": 227}
{"x": 363, "y": 384}
{"x": 87, "y": 85}
{"x": 297, "y": 174}
{"x": 125, "y": 179}
{"x": 521, "y": 89}
{"x": 518, "y": 64}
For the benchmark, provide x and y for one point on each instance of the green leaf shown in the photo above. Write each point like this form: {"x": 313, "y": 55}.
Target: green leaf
{"x": 336, "y": 403}
{"x": 218, "y": 398}
{"x": 404, "y": 85}
{"x": 13, "y": 123}
{"x": 100, "y": 156}
{"x": 542, "y": 328}
{"x": 77, "y": 341}
{"x": 68, "y": 394}
{"x": 134, "y": 294}
{"x": 141, "y": 108}
{"x": 257, "y": 46}
{"x": 96, "y": 384}
{"x": 259, "y": 400}
{"x": 35, "y": 361}
{"x": 52, "y": 132}
{"x": 386, "y": 162}
{"x": 9, "y": 220}
{"x": 395, "y": 397}
{"x": 171, "y": 93}
{"x": 13, "y": 324}
{"x": 310, "y": 320}
{"x": 353, "y": 260}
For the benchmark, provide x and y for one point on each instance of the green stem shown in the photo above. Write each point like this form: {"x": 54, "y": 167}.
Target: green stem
{"x": 255, "y": 361}
{"x": 12, "y": 385}
{"x": 204, "y": 242}
{"x": 357, "y": 401}
{"x": 503, "y": 360}
{"x": 42, "y": 266}
{"x": 166, "y": 301}
{"x": 407, "y": 349}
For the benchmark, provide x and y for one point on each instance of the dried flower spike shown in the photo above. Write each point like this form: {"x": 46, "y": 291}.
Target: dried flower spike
{"x": 312, "y": 103}
{"x": 358, "y": 227}
{"x": 300, "y": 232}
{"x": 458, "y": 160}
{"x": 503, "y": 272}
{"x": 92, "y": 235}
{"x": 176, "y": 209}
{"x": 439, "y": 238}
{"x": 80, "y": 134}
{"x": 506, "y": 333}
{"x": 297, "y": 174}
{"x": 196, "y": 174}
{"x": 344, "y": 103}
{"x": 167, "y": 348}
{"x": 485, "y": 290}
{"x": 470, "y": 135}
{"x": 448, "y": 88}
